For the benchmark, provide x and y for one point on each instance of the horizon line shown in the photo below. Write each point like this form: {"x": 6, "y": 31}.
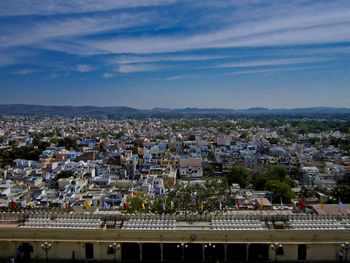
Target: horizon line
{"x": 179, "y": 108}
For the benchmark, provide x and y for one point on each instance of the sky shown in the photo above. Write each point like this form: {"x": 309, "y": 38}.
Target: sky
{"x": 174, "y": 54}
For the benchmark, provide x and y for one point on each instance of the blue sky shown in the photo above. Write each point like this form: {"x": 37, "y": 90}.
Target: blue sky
{"x": 167, "y": 53}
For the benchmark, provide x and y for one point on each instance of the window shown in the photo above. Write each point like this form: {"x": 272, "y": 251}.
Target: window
{"x": 89, "y": 251}
{"x": 280, "y": 251}
{"x": 301, "y": 252}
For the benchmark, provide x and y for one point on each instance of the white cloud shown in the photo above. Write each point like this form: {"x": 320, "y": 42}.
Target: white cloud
{"x": 270, "y": 70}
{"x": 176, "y": 77}
{"x": 7, "y": 61}
{"x": 108, "y": 75}
{"x": 132, "y": 63}
{"x": 13, "y": 56}
{"x": 270, "y": 25}
{"x": 54, "y": 76}
{"x": 63, "y": 29}
{"x": 159, "y": 58}
{"x": 271, "y": 62}
{"x": 131, "y": 68}
{"x": 50, "y": 7}
{"x": 84, "y": 68}
{"x": 299, "y": 26}
{"x": 145, "y": 45}
{"x": 250, "y": 24}
{"x": 25, "y": 71}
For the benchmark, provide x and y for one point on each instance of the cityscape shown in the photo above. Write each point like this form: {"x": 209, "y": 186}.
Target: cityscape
{"x": 229, "y": 173}
{"x": 174, "y": 131}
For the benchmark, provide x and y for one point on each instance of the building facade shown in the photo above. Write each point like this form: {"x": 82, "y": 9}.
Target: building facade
{"x": 164, "y": 238}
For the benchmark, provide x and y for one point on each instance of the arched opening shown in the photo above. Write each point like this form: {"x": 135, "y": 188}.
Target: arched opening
{"x": 172, "y": 252}
{"x": 214, "y": 252}
{"x": 130, "y": 252}
{"x": 193, "y": 252}
{"x": 258, "y": 252}
{"x": 24, "y": 252}
{"x": 236, "y": 252}
{"x": 150, "y": 252}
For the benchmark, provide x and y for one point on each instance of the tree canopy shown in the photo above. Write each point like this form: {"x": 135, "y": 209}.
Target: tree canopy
{"x": 238, "y": 175}
{"x": 275, "y": 179}
{"x": 68, "y": 143}
{"x": 64, "y": 174}
{"x": 342, "y": 190}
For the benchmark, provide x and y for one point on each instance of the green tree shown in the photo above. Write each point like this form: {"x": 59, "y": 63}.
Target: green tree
{"x": 27, "y": 153}
{"x": 277, "y": 172}
{"x": 273, "y": 140}
{"x": 119, "y": 134}
{"x": 157, "y": 206}
{"x": 104, "y": 134}
{"x": 211, "y": 194}
{"x": 69, "y": 143}
{"x": 138, "y": 143}
{"x": 244, "y": 134}
{"x": 159, "y": 137}
{"x": 268, "y": 181}
{"x": 238, "y": 175}
{"x": 313, "y": 140}
{"x": 134, "y": 202}
{"x": 303, "y": 129}
{"x": 40, "y": 144}
{"x": 208, "y": 170}
{"x": 64, "y": 174}
{"x": 280, "y": 190}
{"x": 307, "y": 191}
{"x": 342, "y": 192}
{"x": 260, "y": 181}
{"x": 345, "y": 179}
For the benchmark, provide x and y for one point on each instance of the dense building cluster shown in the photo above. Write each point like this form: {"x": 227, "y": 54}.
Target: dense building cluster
{"x": 169, "y": 165}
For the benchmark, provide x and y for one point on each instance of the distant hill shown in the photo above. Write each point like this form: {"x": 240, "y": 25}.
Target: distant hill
{"x": 256, "y": 109}
{"x": 19, "y": 109}
{"x": 23, "y": 109}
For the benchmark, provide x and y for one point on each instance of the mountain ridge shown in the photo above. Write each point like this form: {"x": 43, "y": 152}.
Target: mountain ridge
{"x": 28, "y": 109}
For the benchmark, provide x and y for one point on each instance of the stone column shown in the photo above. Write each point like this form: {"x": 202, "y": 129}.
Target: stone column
{"x": 247, "y": 252}
{"x": 119, "y": 255}
{"x": 140, "y": 244}
{"x": 78, "y": 255}
{"x": 161, "y": 253}
{"x": 16, "y": 244}
{"x": 203, "y": 252}
{"x": 225, "y": 252}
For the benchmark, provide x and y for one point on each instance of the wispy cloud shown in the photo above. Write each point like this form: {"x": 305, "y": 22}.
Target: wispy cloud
{"x": 108, "y": 75}
{"x": 50, "y": 7}
{"x": 270, "y": 25}
{"x": 176, "y": 77}
{"x": 11, "y": 56}
{"x": 159, "y": 58}
{"x": 322, "y": 51}
{"x": 25, "y": 71}
{"x": 146, "y": 63}
{"x": 63, "y": 29}
{"x": 145, "y": 45}
{"x": 269, "y": 70}
{"x": 133, "y": 39}
{"x": 7, "y": 61}
{"x": 171, "y": 41}
{"x": 54, "y": 76}
{"x": 84, "y": 68}
{"x": 272, "y": 62}
{"x": 299, "y": 26}
{"x": 131, "y": 68}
